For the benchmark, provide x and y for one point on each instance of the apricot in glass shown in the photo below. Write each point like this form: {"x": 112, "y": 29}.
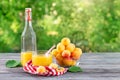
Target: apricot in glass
{"x": 70, "y": 47}
{"x": 68, "y": 62}
{"x": 65, "y": 41}
{"x": 76, "y": 54}
{"x": 60, "y": 47}
{"x": 66, "y": 54}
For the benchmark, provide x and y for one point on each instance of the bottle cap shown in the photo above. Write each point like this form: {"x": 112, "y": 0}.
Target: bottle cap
{"x": 27, "y": 11}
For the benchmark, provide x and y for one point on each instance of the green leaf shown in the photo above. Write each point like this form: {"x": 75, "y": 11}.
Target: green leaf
{"x": 74, "y": 69}
{"x": 13, "y": 64}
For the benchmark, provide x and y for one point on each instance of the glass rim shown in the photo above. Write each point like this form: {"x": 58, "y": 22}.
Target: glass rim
{"x": 42, "y": 51}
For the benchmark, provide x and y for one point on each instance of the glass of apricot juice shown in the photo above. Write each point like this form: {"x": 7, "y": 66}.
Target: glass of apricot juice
{"x": 41, "y": 59}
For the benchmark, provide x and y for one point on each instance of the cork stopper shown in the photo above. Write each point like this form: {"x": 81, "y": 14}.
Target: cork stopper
{"x": 28, "y": 13}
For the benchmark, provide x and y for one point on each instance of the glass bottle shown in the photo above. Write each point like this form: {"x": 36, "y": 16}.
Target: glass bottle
{"x": 28, "y": 39}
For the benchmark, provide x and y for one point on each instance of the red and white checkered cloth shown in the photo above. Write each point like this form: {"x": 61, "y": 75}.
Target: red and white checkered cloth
{"x": 50, "y": 71}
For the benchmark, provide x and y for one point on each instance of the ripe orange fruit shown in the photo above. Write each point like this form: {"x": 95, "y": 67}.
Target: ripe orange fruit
{"x": 53, "y": 65}
{"x": 60, "y": 63}
{"x": 76, "y": 53}
{"x": 65, "y": 41}
{"x": 41, "y": 69}
{"x": 74, "y": 62}
{"x": 60, "y": 47}
{"x": 68, "y": 62}
{"x": 60, "y": 69}
{"x": 59, "y": 57}
{"x": 54, "y": 52}
{"x": 70, "y": 47}
{"x": 78, "y": 49}
{"x": 66, "y": 54}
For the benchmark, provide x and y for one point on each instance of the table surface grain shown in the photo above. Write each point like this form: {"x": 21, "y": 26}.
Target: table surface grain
{"x": 96, "y": 66}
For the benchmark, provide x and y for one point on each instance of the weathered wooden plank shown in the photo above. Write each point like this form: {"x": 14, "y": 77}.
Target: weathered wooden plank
{"x": 69, "y": 76}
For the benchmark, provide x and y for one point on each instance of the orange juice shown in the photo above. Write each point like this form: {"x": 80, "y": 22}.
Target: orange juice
{"x": 25, "y": 57}
{"x": 42, "y": 60}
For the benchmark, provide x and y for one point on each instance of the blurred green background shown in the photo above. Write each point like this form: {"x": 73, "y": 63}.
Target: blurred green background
{"x": 93, "y": 25}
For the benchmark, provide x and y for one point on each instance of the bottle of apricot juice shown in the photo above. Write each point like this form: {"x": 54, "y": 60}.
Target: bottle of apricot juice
{"x": 28, "y": 39}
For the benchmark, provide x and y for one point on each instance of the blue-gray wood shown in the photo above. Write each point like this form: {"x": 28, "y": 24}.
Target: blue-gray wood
{"x": 96, "y": 66}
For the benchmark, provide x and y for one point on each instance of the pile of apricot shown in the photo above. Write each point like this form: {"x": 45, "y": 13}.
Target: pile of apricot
{"x": 66, "y": 53}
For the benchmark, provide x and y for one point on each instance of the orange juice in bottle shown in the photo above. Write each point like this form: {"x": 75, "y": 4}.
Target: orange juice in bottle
{"x": 28, "y": 39}
{"x": 25, "y": 57}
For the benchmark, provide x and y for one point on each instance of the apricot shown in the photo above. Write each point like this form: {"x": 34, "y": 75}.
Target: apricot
{"x": 41, "y": 69}
{"x": 59, "y": 57}
{"x": 61, "y": 69}
{"x": 65, "y": 41}
{"x": 53, "y": 65}
{"x": 74, "y": 62}
{"x": 60, "y": 63}
{"x": 70, "y": 47}
{"x": 66, "y": 54}
{"x": 68, "y": 62}
{"x": 60, "y": 47}
{"x": 78, "y": 49}
{"x": 58, "y": 70}
{"x": 54, "y": 52}
{"x": 76, "y": 53}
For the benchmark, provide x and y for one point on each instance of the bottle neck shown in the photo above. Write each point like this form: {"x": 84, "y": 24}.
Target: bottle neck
{"x": 28, "y": 23}
{"x": 28, "y": 18}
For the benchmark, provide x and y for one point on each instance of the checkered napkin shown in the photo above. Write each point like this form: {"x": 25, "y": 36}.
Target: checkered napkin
{"x": 49, "y": 70}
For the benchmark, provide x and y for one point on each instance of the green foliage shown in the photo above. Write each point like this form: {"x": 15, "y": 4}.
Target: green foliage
{"x": 93, "y": 25}
{"x": 13, "y": 64}
{"x": 75, "y": 69}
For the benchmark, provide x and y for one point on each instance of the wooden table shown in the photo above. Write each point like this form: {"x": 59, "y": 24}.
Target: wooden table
{"x": 96, "y": 66}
